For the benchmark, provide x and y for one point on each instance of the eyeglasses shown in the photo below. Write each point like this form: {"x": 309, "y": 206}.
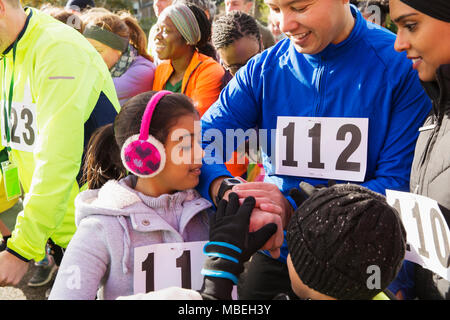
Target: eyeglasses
{"x": 233, "y": 68}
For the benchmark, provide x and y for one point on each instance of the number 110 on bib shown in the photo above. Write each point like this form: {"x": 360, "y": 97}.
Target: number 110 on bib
{"x": 323, "y": 148}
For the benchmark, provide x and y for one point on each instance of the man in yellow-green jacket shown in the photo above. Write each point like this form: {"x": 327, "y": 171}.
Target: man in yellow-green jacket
{"x": 55, "y": 90}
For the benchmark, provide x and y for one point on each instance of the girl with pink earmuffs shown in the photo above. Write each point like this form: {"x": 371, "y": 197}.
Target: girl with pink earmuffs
{"x": 141, "y": 172}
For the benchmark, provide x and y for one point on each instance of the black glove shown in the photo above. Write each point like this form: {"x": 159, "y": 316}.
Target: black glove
{"x": 306, "y": 190}
{"x": 230, "y": 246}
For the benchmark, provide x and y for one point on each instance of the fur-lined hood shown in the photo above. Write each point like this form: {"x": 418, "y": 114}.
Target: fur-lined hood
{"x": 117, "y": 198}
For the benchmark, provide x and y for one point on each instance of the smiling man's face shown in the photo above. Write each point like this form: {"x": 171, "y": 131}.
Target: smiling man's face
{"x": 311, "y": 24}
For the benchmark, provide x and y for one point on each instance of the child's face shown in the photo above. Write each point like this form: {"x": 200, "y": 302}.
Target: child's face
{"x": 183, "y": 156}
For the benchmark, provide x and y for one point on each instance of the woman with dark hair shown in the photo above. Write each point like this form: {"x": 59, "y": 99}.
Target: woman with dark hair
{"x": 182, "y": 40}
{"x": 424, "y": 33}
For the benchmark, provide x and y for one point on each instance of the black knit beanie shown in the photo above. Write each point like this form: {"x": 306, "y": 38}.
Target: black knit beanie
{"x": 337, "y": 233}
{"x": 438, "y": 9}
{"x": 82, "y": 4}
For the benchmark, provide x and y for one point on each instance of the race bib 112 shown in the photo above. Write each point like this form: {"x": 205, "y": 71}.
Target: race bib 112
{"x": 323, "y": 148}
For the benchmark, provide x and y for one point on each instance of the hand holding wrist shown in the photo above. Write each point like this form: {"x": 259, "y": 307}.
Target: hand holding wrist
{"x": 231, "y": 243}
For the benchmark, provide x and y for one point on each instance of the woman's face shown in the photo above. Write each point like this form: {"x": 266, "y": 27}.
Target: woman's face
{"x": 425, "y": 39}
{"x": 169, "y": 42}
{"x": 109, "y": 55}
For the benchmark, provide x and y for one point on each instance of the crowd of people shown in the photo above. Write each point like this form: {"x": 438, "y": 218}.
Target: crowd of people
{"x": 114, "y": 139}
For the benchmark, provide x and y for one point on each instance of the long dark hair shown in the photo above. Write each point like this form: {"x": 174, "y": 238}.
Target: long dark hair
{"x": 204, "y": 46}
{"x": 102, "y": 160}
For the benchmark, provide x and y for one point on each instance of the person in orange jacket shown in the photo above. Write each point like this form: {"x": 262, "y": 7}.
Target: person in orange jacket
{"x": 182, "y": 40}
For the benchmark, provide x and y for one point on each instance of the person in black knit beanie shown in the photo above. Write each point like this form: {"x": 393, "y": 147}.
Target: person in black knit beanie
{"x": 337, "y": 237}
{"x": 345, "y": 242}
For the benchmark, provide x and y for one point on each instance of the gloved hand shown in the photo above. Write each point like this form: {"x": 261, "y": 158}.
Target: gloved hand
{"x": 306, "y": 190}
{"x": 231, "y": 245}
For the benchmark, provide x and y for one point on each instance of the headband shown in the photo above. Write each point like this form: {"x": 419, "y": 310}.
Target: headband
{"x": 184, "y": 20}
{"x": 106, "y": 37}
{"x": 438, "y": 9}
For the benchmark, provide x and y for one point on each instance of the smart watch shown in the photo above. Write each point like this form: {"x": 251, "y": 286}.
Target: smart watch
{"x": 226, "y": 185}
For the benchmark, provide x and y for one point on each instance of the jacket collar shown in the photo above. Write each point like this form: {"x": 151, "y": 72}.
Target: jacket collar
{"x": 439, "y": 90}
{"x": 22, "y": 32}
{"x": 196, "y": 60}
{"x": 118, "y": 198}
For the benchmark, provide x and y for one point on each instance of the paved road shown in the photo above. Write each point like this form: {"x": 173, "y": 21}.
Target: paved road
{"x": 24, "y": 292}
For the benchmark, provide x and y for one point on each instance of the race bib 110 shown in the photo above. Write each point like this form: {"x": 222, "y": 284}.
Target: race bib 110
{"x": 427, "y": 232}
{"x": 323, "y": 148}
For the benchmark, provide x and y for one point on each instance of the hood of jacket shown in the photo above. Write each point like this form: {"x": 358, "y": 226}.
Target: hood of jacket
{"x": 118, "y": 198}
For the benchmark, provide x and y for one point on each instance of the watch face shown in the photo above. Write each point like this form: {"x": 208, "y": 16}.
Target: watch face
{"x": 233, "y": 181}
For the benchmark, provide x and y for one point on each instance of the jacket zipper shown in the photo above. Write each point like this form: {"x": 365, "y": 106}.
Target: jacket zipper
{"x": 426, "y": 154}
{"x": 189, "y": 78}
{"x": 319, "y": 82}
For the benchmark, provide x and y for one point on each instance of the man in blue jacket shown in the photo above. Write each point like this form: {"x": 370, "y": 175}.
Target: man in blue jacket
{"x": 346, "y": 106}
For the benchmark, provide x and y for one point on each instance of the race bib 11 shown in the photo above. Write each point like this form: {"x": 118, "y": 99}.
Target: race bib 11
{"x": 324, "y": 148}
{"x": 165, "y": 265}
{"x": 427, "y": 232}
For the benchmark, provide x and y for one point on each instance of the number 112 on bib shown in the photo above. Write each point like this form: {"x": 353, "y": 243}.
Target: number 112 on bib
{"x": 322, "y": 148}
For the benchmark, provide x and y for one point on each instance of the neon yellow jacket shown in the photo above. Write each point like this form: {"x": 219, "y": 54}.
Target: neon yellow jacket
{"x": 60, "y": 77}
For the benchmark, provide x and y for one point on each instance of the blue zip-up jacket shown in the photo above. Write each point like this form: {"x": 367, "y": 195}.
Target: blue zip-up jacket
{"x": 361, "y": 77}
